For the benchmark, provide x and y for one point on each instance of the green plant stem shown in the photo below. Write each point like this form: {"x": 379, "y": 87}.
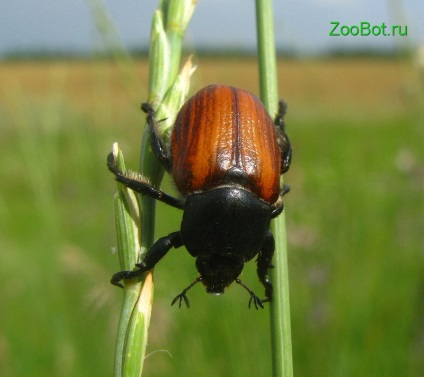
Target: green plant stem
{"x": 168, "y": 27}
{"x": 267, "y": 58}
{"x": 135, "y": 216}
{"x": 280, "y": 306}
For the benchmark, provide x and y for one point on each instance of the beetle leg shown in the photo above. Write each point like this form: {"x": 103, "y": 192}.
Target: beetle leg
{"x": 159, "y": 250}
{"x": 283, "y": 139}
{"x": 156, "y": 142}
{"x": 264, "y": 263}
{"x": 278, "y": 206}
{"x": 153, "y": 256}
{"x": 139, "y": 184}
{"x": 253, "y": 298}
{"x": 183, "y": 296}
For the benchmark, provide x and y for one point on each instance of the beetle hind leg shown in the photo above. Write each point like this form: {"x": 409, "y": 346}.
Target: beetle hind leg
{"x": 140, "y": 184}
{"x": 283, "y": 139}
{"x": 157, "y": 144}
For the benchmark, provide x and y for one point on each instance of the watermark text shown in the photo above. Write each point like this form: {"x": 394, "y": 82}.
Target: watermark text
{"x": 365, "y": 29}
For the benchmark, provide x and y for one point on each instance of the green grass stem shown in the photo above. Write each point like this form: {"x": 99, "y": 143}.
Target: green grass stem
{"x": 135, "y": 217}
{"x": 280, "y": 306}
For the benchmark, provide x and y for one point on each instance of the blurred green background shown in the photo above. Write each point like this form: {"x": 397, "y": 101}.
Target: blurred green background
{"x": 354, "y": 216}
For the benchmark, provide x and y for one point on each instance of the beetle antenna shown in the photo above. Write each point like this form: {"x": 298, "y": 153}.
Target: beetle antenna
{"x": 183, "y": 297}
{"x": 253, "y": 298}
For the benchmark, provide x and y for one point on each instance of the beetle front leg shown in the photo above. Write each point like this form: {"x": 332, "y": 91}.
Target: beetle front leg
{"x": 264, "y": 263}
{"x": 159, "y": 249}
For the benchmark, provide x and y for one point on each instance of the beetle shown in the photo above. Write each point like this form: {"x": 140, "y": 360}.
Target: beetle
{"x": 226, "y": 156}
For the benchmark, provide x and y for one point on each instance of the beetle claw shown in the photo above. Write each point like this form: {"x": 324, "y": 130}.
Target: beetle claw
{"x": 123, "y": 275}
{"x": 253, "y": 298}
{"x": 256, "y": 301}
{"x": 181, "y": 297}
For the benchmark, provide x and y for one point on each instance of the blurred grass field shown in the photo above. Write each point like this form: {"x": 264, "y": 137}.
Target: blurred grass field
{"x": 355, "y": 220}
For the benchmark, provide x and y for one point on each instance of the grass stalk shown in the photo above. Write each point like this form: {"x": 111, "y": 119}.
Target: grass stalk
{"x": 280, "y": 306}
{"x": 135, "y": 216}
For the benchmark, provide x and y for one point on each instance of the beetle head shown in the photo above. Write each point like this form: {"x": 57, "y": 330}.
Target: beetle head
{"x": 218, "y": 272}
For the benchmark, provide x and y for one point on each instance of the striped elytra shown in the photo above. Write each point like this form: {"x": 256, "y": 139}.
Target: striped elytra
{"x": 221, "y": 128}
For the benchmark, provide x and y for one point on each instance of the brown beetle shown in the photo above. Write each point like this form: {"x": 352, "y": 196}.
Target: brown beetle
{"x": 226, "y": 158}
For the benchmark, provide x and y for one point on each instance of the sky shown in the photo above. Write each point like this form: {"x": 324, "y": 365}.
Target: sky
{"x": 300, "y": 25}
